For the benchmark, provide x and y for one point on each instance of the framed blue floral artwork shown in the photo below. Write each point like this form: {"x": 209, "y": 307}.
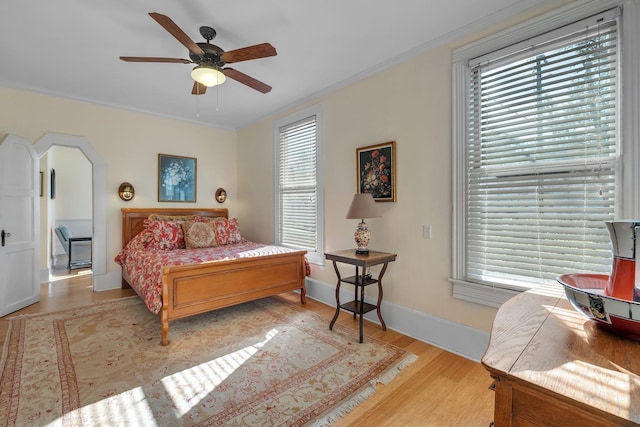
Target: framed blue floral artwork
{"x": 177, "y": 178}
{"x": 377, "y": 171}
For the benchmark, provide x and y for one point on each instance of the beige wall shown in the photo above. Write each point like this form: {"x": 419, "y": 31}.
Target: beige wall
{"x": 409, "y": 103}
{"x": 129, "y": 144}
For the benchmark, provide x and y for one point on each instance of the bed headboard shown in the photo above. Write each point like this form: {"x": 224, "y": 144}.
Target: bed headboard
{"x": 133, "y": 218}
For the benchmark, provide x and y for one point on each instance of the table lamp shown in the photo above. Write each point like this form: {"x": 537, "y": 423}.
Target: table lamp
{"x": 363, "y": 206}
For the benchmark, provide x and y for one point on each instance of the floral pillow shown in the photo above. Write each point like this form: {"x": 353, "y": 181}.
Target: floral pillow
{"x": 228, "y": 231}
{"x": 199, "y": 234}
{"x": 165, "y": 235}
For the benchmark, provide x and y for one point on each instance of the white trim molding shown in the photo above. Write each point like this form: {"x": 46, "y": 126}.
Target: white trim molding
{"x": 630, "y": 132}
{"x": 479, "y": 294}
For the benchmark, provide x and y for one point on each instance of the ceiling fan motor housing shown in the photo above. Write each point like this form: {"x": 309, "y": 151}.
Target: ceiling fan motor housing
{"x": 211, "y": 56}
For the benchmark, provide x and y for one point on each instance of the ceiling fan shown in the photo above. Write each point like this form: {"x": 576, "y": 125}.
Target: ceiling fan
{"x": 210, "y": 59}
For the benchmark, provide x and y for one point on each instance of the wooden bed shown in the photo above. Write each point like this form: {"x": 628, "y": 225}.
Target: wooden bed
{"x": 192, "y": 289}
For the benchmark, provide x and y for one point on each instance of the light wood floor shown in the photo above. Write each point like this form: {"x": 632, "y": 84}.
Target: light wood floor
{"x": 440, "y": 389}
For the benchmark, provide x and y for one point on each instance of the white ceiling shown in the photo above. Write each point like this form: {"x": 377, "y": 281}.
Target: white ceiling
{"x": 71, "y": 48}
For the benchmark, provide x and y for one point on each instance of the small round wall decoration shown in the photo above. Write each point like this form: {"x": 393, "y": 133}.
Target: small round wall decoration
{"x": 221, "y": 195}
{"x": 126, "y": 191}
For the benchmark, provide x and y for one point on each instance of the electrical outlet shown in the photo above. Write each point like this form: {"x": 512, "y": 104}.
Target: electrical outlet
{"x": 426, "y": 231}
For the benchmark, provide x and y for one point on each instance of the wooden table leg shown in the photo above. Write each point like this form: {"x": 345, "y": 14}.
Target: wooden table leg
{"x": 355, "y": 297}
{"x": 384, "y": 268}
{"x": 363, "y": 279}
{"x": 335, "y": 316}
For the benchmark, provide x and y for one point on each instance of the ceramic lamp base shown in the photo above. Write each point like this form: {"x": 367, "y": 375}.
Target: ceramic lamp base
{"x": 362, "y": 236}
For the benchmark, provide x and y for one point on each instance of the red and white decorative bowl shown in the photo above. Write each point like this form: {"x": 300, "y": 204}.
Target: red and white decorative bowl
{"x": 586, "y": 294}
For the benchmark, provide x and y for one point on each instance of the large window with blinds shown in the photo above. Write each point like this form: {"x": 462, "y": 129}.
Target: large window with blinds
{"x": 299, "y": 219}
{"x": 540, "y": 161}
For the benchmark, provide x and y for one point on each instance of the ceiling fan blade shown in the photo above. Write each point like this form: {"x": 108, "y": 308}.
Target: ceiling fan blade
{"x": 247, "y": 80}
{"x": 152, "y": 59}
{"x": 262, "y": 50}
{"x": 176, "y": 32}
{"x": 198, "y": 89}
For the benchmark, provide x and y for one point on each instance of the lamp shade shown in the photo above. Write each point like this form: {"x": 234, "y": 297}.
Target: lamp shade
{"x": 363, "y": 206}
{"x": 208, "y": 75}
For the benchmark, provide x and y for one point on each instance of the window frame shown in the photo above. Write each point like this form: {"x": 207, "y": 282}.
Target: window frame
{"x": 627, "y": 203}
{"x": 315, "y": 257}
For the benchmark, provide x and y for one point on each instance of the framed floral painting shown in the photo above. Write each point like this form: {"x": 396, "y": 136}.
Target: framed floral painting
{"x": 176, "y": 178}
{"x": 377, "y": 171}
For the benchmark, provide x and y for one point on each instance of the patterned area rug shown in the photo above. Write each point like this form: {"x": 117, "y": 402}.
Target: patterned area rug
{"x": 268, "y": 362}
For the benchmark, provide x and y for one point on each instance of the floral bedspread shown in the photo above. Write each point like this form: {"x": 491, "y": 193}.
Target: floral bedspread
{"x": 145, "y": 265}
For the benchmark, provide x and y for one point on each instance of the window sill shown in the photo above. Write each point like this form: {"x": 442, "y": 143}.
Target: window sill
{"x": 491, "y": 296}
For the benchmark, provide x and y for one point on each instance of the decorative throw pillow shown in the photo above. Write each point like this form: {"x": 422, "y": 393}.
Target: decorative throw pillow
{"x": 199, "y": 234}
{"x": 228, "y": 231}
{"x": 167, "y": 235}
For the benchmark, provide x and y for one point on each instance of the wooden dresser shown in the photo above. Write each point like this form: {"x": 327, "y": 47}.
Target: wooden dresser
{"x": 553, "y": 367}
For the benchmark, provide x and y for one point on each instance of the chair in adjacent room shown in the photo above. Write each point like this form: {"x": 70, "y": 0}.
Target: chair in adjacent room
{"x": 78, "y": 249}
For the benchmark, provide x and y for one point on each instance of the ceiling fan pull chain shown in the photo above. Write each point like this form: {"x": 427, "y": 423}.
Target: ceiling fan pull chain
{"x": 217, "y": 98}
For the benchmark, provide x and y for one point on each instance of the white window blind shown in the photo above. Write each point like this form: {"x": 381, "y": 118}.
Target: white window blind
{"x": 297, "y": 185}
{"x": 542, "y": 157}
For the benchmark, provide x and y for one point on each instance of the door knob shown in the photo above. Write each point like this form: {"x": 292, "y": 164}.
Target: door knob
{"x": 4, "y": 234}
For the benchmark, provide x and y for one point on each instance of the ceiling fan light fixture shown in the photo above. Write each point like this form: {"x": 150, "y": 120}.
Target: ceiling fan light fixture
{"x": 208, "y": 75}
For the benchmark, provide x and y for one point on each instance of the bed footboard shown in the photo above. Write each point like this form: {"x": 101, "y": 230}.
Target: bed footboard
{"x": 194, "y": 289}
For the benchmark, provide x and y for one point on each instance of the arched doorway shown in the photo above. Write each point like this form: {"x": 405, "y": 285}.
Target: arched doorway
{"x": 99, "y": 169}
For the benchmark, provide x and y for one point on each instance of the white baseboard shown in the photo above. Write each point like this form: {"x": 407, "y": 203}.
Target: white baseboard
{"x": 107, "y": 281}
{"x": 44, "y": 275}
{"x": 456, "y": 338}
{"x": 101, "y": 282}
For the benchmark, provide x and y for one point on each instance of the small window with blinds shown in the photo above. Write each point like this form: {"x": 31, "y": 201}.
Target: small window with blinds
{"x": 298, "y": 214}
{"x": 542, "y": 156}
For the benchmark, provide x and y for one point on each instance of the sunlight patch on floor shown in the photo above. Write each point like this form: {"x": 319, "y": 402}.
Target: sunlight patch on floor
{"x": 198, "y": 381}
{"x": 65, "y": 276}
{"x": 128, "y": 408}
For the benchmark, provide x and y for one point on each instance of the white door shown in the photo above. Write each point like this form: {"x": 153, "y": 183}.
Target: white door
{"x": 19, "y": 225}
